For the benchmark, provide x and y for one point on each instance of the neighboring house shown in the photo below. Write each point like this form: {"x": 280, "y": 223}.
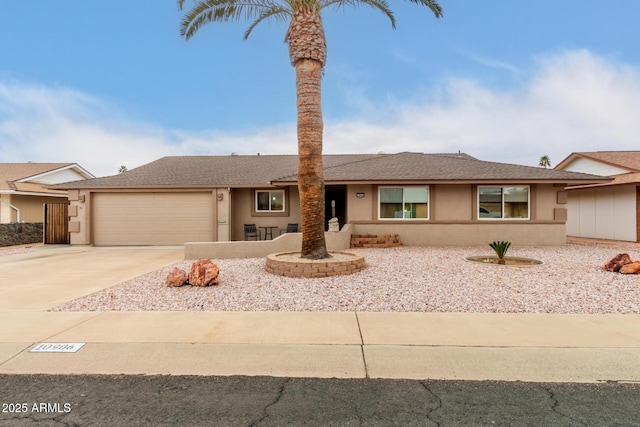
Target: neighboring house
{"x": 427, "y": 199}
{"x": 605, "y": 210}
{"x": 24, "y": 188}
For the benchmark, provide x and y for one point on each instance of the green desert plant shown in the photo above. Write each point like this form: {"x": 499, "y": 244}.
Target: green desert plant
{"x": 501, "y": 249}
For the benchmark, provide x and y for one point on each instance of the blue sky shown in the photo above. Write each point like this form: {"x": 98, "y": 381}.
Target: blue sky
{"x": 112, "y": 83}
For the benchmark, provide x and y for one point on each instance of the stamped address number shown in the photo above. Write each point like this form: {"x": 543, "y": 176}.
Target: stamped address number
{"x": 57, "y": 347}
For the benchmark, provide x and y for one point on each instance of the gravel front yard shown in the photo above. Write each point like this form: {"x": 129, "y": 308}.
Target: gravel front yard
{"x": 418, "y": 279}
{"x": 16, "y": 250}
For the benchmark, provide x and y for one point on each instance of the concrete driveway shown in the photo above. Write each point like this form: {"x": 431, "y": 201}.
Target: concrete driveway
{"x": 52, "y": 275}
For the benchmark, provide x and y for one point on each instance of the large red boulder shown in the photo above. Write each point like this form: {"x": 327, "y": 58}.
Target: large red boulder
{"x": 204, "y": 273}
{"x": 615, "y": 263}
{"x": 631, "y": 268}
{"x": 177, "y": 277}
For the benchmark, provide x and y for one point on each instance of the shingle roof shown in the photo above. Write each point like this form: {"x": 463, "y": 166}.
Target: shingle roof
{"x": 439, "y": 167}
{"x": 11, "y": 172}
{"x": 208, "y": 171}
{"x": 251, "y": 171}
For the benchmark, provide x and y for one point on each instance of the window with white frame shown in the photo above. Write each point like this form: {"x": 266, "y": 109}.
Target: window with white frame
{"x": 403, "y": 203}
{"x": 502, "y": 202}
{"x": 270, "y": 201}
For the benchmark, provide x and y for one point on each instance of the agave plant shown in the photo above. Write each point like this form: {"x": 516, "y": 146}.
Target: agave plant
{"x": 501, "y": 249}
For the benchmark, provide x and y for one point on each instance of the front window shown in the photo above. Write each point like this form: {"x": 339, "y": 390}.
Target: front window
{"x": 503, "y": 202}
{"x": 404, "y": 203}
{"x": 270, "y": 201}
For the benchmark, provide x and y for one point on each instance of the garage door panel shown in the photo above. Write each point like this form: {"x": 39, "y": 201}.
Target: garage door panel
{"x": 152, "y": 218}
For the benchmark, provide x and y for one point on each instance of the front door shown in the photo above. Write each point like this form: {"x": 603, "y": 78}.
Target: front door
{"x": 335, "y": 200}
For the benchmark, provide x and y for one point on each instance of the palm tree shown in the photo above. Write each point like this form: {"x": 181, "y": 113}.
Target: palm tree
{"x": 544, "y": 162}
{"x": 308, "y": 53}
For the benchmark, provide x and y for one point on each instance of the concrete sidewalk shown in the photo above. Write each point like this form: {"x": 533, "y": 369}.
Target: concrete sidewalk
{"x": 524, "y": 347}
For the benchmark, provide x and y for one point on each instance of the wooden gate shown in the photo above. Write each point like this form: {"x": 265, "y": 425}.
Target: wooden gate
{"x": 56, "y": 224}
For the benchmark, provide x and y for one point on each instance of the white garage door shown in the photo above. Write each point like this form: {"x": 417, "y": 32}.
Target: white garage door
{"x": 152, "y": 218}
{"x": 603, "y": 213}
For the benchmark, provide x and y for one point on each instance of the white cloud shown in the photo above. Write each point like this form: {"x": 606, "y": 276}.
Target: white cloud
{"x": 491, "y": 62}
{"x": 43, "y": 124}
{"x": 573, "y": 101}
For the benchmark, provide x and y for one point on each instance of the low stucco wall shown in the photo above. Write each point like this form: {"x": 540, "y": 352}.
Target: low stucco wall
{"x": 258, "y": 249}
{"x": 471, "y": 234}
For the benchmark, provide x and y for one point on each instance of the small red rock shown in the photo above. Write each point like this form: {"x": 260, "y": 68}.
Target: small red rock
{"x": 204, "y": 273}
{"x": 632, "y": 268}
{"x": 177, "y": 277}
{"x": 615, "y": 263}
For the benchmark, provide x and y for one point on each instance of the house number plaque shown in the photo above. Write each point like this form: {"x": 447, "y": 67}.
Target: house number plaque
{"x": 57, "y": 347}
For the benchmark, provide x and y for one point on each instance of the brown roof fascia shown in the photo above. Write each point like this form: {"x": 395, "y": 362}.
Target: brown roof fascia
{"x": 571, "y": 157}
{"x": 158, "y": 187}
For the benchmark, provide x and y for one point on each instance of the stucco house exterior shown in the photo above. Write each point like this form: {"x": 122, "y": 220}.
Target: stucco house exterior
{"x": 24, "y": 188}
{"x": 608, "y": 210}
{"x": 426, "y": 199}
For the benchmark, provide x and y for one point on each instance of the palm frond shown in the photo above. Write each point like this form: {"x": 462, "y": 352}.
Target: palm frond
{"x": 431, "y": 4}
{"x": 381, "y": 5}
{"x": 208, "y": 11}
{"x": 279, "y": 13}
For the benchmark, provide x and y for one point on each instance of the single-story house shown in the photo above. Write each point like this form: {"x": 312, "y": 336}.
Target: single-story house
{"x": 24, "y": 188}
{"x": 608, "y": 210}
{"x": 426, "y": 199}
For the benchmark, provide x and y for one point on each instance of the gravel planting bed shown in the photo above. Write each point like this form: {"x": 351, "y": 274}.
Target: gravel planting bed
{"x": 15, "y": 250}
{"x": 414, "y": 279}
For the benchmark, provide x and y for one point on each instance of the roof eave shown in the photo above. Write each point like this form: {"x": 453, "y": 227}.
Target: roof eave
{"x": 160, "y": 187}
{"x": 32, "y": 193}
{"x": 601, "y": 185}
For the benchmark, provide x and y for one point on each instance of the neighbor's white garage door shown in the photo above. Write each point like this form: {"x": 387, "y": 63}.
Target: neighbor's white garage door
{"x": 603, "y": 213}
{"x": 151, "y": 218}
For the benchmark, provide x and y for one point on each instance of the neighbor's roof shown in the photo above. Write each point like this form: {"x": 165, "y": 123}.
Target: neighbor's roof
{"x": 622, "y": 179}
{"x": 11, "y": 173}
{"x": 624, "y": 159}
{"x": 252, "y": 171}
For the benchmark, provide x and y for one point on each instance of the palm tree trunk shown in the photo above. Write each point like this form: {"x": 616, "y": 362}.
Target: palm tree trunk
{"x": 310, "y": 175}
{"x": 307, "y": 48}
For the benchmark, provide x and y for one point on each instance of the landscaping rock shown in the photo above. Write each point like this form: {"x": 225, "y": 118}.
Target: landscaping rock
{"x": 204, "y": 273}
{"x": 177, "y": 277}
{"x": 632, "y": 268}
{"x": 615, "y": 263}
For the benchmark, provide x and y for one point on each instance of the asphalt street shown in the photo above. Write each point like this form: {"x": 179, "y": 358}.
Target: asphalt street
{"x": 46, "y": 400}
